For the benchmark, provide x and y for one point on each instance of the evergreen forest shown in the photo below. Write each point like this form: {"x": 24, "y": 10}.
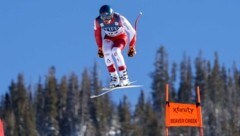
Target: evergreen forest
{"x": 62, "y": 106}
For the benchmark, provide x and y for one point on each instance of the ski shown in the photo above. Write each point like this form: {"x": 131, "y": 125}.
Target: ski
{"x": 106, "y": 90}
{"x": 109, "y": 88}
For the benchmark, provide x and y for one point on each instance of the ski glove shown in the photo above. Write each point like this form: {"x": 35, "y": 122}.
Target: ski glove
{"x": 131, "y": 52}
{"x": 100, "y": 53}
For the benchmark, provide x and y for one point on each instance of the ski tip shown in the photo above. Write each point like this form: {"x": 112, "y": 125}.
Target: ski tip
{"x": 93, "y": 96}
{"x": 140, "y": 13}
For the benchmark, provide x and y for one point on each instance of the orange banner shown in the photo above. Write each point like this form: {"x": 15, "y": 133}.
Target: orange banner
{"x": 1, "y": 128}
{"x": 179, "y": 114}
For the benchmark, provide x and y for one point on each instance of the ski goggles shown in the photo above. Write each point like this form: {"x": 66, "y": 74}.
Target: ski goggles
{"x": 106, "y": 17}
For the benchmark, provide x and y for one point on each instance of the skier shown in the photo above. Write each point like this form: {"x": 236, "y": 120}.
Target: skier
{"x": 117, "y": 31}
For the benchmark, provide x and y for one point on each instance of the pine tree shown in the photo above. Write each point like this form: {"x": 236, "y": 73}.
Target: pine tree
{"x": 72, "y": 117}
{"x": 152, "y": 122}
{"x": 173, "y": 78}
{"x": 22, "y": 109}
{"x": 87, "y": 109}
{"x": 39, "y": 108}
{"x": 103, "y": 106}
{"x": 9, "y": 116}
{"x": 50, "y": 110}
{"x": 185, "y": 89}
{"x": 145, "y": 120}
{"x": 216, "y": 83}
{"x": 215, "y": 93}
{"x": 234, "y": 101}
{"x": 160, "y": 78}
{"x": 228, "y": 113}
{"x": 201, "y": 76}
{"x": 201, "y": 80}
{"x": 139, "y": 116}
{"x": 125, "y": 117}
{"x": 62, "y": 104}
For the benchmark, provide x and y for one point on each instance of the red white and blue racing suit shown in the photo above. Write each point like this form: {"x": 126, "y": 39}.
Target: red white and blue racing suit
{"x": 117, "y": 33}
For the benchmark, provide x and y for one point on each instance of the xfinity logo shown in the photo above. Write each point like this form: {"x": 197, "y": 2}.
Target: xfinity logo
{"x": 178, "y": 109}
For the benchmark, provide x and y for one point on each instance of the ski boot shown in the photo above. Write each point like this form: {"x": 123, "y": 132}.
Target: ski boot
{"x": 124, "y": 81}
{"x": 115, "y": 82}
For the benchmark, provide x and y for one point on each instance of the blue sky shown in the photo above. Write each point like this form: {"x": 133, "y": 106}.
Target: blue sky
{"x": 35, "y": 35}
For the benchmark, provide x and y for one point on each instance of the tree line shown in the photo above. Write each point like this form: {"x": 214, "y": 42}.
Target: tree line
{"x": 62, "y": 107}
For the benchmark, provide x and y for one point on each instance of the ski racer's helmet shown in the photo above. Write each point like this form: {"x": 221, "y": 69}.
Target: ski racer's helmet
{"x": 106, "y": 12}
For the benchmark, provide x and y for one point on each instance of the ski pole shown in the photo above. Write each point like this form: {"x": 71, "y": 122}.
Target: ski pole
{"x": 136, "y": 21}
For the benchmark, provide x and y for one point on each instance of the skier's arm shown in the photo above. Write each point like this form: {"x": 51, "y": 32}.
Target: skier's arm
{"x": 98, "y": 38}
{"x": 98, "y": 34}
{"x": 130, "y": 30}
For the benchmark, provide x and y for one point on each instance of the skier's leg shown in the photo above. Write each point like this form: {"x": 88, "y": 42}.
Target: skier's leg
{"x": 117, "y": 53}
{"x": 107, "y": 51}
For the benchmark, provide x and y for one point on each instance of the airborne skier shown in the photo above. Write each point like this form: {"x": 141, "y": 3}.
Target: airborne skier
{"x": 117, "y": 31}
